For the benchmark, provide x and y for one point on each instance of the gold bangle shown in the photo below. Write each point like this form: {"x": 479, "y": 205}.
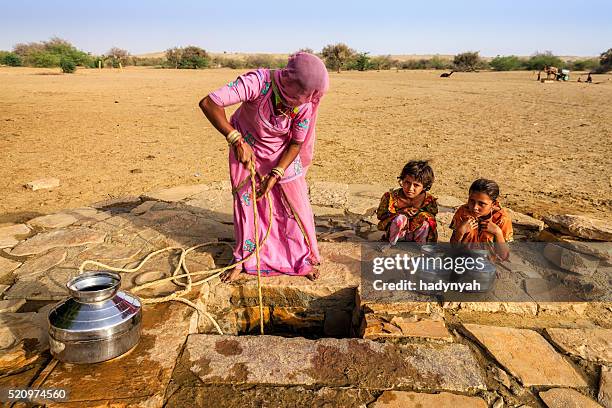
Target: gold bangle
{"x": 233, "y": 136}
{"x": 279, "y": 170}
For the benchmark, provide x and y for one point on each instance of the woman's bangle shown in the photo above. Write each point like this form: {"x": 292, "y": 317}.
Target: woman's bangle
{"x": 279, "y": 171}
{"x": 233, "y": 136}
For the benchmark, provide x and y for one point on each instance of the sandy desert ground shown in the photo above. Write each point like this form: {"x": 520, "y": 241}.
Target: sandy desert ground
{"x": 113, "y": 133}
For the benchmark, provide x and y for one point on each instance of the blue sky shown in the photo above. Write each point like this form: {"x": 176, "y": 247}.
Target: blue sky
{"x": 380, "y": 27}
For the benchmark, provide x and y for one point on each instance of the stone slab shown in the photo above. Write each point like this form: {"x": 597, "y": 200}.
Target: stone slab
{"x": 215, "y": 396}
{"x": 50, "y": 285}
{"x": 36, "y": 266}
{"x": 140, "y": 375}
{"x": 59, "y": 220}
{"x": 216, "y": 204}
{"x": 400, "y": 327}
{"x": 10, "y": 234}
{"x": 23, "y": 339}
{"x": 527, "y": 356}
{"x": 59, "y": 238}
{"x": 567, "y": 398}
{"x": 330, "y": 362}
{"x": 7, "y": 266}
{"x": 572, "y": 261}
{"x": 405, "y": 399}
{"x": 580, "y": 226}
{"x": 41, "y": 184}
{"x": 589, "y": 344}
{"x": 526, "y": 221}
{"x": 449, "y": 202}
{"x": 11, "y": 306}
{"x": 174, "y": 194}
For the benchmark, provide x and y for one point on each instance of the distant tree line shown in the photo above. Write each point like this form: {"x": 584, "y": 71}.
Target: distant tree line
{"x": 57, "y": 52}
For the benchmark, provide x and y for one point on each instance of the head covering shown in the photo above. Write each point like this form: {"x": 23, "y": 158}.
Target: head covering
{"x": 304, "y": 80}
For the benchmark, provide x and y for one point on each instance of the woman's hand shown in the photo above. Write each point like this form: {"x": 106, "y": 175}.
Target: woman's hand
{"x": 266, "y": 185}
{"x": 244, "y": 153}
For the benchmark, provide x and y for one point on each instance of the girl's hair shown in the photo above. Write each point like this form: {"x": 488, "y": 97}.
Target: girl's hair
{"x": 420, "y": 170}
{"x": 489, "y": 187}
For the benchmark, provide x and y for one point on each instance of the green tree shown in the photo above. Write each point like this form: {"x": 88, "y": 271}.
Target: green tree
{"x": 362, "y": 62}
{"x": 194, "y": 57}
{"x": 336, "y": 55}
{"x": 506, "y": 63}
{"x": 467, "y": 61}
{"x": 540, "y": 60}
{"x": 10, "y": 58}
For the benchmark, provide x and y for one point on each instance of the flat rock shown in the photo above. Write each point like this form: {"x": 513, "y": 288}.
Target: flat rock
{"x": 216, "y": 204}
{"x": 580, "y": 226}
{"x": 405, "y": 399}
{"x": 567, "y": 398}
{"x": 35, "y": 266}
{"x": 397, "y": 327}
{"x": 330, "y": 362}
{"x": 572, "y": 261}
{"x": 604, "y": 396}
{"x": 88, "y": 215}
{"x": 7, "y": 266}
{"x": 143, "y": 208}
{"x": 10, "y": 234}
{"x": 589, "y": 344}
{"x": 59, "y": 238}
{"x": 320, "y": 211}
{"x": 23, "y": 337}
{"x": 43, "y": 184}
{"x": 537, "y": 364}
{"x": 119, "y": 202}
{"x": 329, "y": 194}
{"x": 268, "y": 396}
{"x": 50, "y": 285}
{"x": 177, "y": 193}
{"x": 526, "y": 221}
{"x": 449, "y": 202}
{"x": 142, "y": 374}
{"x": 363, "y": 199}
{"x": 59, "y": 220}
{"x": 11, "y": 306}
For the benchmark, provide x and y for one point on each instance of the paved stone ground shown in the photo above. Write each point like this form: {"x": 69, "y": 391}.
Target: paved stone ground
{"x": 326, "y": 344}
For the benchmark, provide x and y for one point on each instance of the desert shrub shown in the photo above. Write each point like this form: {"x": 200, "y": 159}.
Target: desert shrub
{"x": 148, "y": 61}
{"x": 43, "y": 60}
{"x": 173, "y": 56}
{"x": 228, "y": 62}
{"x": 540, "y": 60}
{"x": 10, "y": 58}
{"x": 383, "y": 62}
{"x": 467, "y": 61}
{"x": 116, "y": 56}
{"x": 67, "y": 65}
{"x": 360, "y": 62}
{"x": 336, "y": 56}
{"x": 436, "y": 62}
{"x": 506, "y": 63}
{"x": 587, "y": 64}
{"x": 264, "y": 61}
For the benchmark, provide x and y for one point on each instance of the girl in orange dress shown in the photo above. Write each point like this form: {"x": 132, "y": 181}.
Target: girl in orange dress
{"x": 409, "y": 212}
{"x": 483, "y": 220}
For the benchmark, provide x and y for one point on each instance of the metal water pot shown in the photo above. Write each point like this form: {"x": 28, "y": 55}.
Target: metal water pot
{"x": 98, "y": 322}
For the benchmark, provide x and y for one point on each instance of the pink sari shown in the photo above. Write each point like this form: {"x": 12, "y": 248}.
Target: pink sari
{"x": 291, "y": 247}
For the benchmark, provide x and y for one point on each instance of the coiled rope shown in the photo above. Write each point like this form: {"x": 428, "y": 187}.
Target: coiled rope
{"x": 213, "y": 273}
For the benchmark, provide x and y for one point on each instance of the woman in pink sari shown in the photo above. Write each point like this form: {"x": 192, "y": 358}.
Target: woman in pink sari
{"x": 274, "y": 127}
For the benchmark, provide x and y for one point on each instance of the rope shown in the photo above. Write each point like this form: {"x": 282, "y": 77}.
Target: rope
{"x": 213, "y": 273}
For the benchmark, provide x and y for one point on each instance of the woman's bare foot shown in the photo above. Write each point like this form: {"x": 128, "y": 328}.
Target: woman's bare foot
{"x": 314, "y": 274}
{"x": 231, "y": 274}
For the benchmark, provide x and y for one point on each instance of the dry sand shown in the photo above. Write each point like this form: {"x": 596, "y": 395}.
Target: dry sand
{"x": 112, "y": 133}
